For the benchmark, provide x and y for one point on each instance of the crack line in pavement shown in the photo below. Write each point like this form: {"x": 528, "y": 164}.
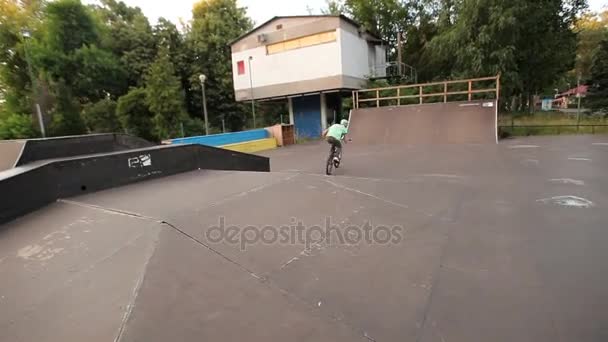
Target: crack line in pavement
{"x": 439, "y": 268}
{"x": 135, "y": 293}
{"x": 262, "y": 279}
{"x": 164, "y": 222}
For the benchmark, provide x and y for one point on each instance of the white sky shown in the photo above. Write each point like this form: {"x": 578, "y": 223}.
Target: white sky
{"x": 258, "y": 10}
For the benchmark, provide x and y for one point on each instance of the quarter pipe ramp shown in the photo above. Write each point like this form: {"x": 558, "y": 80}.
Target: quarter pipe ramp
{"x": 433, "y": 123}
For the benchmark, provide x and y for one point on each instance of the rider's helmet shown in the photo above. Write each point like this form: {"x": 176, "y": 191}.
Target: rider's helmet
{"x": 344, "y": 122}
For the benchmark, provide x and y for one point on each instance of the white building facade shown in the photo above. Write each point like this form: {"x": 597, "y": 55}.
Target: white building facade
{"x": 309, "y": 57}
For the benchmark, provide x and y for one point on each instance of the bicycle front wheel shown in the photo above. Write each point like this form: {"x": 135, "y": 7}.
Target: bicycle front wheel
{"x": 329, "y": 167}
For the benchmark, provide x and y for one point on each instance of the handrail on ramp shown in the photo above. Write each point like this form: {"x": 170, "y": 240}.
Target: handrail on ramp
{"x": 395, "y": 94}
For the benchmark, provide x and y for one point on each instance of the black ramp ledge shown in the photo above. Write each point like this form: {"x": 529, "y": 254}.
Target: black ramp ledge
{"x": 32, "y": 186}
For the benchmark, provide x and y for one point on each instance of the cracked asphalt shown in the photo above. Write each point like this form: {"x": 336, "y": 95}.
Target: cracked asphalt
{"x": 497, "y": 243}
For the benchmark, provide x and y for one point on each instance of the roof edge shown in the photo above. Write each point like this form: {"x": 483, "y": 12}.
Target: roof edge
{"x": 341, "y": 16}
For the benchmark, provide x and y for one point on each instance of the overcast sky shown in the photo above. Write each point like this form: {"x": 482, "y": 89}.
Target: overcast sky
{"x": 258, "y": 10}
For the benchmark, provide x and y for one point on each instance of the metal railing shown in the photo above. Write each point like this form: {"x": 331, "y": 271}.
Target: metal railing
{"x": 378, "y": 97}
{"x": 532, "y": 129}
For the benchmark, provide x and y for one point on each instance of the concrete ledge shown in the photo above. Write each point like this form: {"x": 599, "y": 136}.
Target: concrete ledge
{"x": 253, "y": 146}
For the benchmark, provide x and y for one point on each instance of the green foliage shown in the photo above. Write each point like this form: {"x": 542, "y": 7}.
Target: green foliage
{"x": 68, "y": 26}
{"x": 17, "y": 126}
{"x": 98, "y": 74}
{"x": 15, "y": 83}
{"x": 100, "y": 117}
{"x": 165, "y": 97}
{"x": 127, "y": 33}
{"x": 214, "y": 25}
{"x": 66, "y": 115}
{"x": 135, "y": 115}
{"x": 598, "y": 97}
{"x": 193, "y": 127}
{"x": 333, "y": 7}
{"x": 592, "y": 29}
{"x": 383, "y": 17}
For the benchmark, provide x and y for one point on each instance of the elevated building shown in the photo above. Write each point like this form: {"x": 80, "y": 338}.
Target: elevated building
{"x": 309, "y": 60}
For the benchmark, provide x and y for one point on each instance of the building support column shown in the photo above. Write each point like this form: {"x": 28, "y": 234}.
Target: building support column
{"x": 323, "y": 112}
{"x": 290, "y": 105}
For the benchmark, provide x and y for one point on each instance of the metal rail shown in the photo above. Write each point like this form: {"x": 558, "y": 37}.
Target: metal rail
{"x": 558, "y": 127}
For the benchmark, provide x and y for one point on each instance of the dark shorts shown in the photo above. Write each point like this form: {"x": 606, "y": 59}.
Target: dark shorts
{"x": 334, "y": 142}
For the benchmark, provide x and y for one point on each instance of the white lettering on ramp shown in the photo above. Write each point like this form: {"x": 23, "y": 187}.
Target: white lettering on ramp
{"x": 140, "y": 161}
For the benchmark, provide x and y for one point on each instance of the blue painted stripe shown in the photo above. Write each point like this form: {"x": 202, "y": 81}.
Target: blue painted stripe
{"x": 224, "y": 138}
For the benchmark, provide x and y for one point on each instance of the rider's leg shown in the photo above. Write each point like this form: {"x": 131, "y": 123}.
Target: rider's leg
{"x": 339, "y": 149}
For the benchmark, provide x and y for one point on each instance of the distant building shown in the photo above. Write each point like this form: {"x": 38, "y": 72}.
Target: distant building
{"x": 308, "y": 60}
{"x": 562, "y": 100}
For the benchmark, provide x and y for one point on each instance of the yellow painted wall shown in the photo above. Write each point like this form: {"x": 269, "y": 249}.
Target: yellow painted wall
{"x": 297, "y": 43}
{"x": 252, "y": 146}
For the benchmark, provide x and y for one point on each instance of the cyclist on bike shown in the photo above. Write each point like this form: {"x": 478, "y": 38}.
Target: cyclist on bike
{"x": 335, "y": 135}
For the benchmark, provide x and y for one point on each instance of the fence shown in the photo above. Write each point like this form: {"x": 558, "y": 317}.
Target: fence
{"x": 553, "y": 129}
{"x": 464, "y": 90}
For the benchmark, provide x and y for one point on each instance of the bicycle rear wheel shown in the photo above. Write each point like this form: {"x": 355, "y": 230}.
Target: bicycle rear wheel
{"x": 329, "y": 166}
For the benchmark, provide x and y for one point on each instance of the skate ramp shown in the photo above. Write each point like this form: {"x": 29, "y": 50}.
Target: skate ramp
{"x": 77, "y": 145}
{"x": 436, "y": 123}
{"x": 10, "y": 150}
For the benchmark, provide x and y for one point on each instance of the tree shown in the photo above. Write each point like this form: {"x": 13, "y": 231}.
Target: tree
{"x": 169, "y": 38}
{"x": 383, "y": 17}
{"x": 98, "y": 76}
{"x": 126, "y": 32}
{"x": 497, "y": 36}
{"x": 214, "y": 25}
{"x": 164, "y": 96}
{"x": 598, "y": 96}
{"x": 66, "y": 119}
{"x": 17, "y": 126}
{"x": 135, "y": 115}
{"x": 100, "y": 117}
{"x": 15, "y": 81}
{"x": 592, "y": 28}
{"x": 333, "y": 7}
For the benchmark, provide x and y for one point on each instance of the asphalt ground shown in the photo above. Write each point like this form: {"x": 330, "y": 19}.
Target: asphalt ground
{"x": 466, "y": 242}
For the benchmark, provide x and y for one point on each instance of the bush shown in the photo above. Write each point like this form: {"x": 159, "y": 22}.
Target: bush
{"x": 100, "y": 117}
{"x": 17, "y": 126}
{"x": 135, "y": 115}
{"x": 194, "y": 127}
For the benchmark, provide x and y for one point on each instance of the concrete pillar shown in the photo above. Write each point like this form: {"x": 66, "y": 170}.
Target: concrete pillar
{"x": 323, "y": 111}
{"x": 290, "y": 105}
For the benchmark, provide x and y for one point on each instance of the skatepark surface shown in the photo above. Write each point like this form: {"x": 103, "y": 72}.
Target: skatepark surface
{"x": 499, "y": 242}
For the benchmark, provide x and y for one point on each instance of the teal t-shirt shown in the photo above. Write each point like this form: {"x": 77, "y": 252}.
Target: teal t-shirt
{"x": 337, "y": 131}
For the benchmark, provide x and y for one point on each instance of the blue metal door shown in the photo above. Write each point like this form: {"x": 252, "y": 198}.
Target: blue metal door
{"x": 307, "y": 116}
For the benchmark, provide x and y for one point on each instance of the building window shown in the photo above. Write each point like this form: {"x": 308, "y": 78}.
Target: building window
{"x": 298, "y": 43}
{"x": 240, "y": 66}
{"x": 280, "y": 26}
